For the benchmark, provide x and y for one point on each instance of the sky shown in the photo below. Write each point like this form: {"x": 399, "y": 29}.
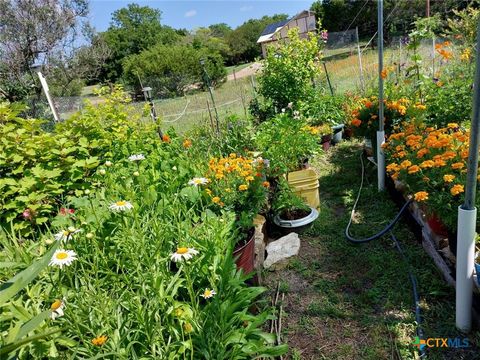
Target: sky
{"x": 196, "y": 13}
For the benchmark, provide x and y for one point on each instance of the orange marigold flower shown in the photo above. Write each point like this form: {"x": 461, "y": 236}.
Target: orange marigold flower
{"x": 422, "y": 152}
{"x": 413, "y": 169}
{"x": 452, "y": 125}
{"x": 368, "y": 104}
{"x": 384, "y": 74}
{"x": 187, "y": 143}
{"x": 99, "y": 340}
{"x": 393, "y": 167}
{"x": 420, "y": 106}
{"x": 421, "y": 196}
{"x": 405, "y": 164}
{"x": 448, "y": 178}
{"x": 266, "y": 184}
{"x": 249, "y": 178}
{"x": 458, "y": 165}
{"x": 439, "y": 163}
{"x": 215, "y": 199}
{"x": 356, "y": 122}
{"x": 166, "y": 138}
{"x": 427, "y": 164}
{"x": 401, "y": 154}
{"x": 243, "y": 187}
{"x": 456, "y": 189}
{"x": 394, "y": 176}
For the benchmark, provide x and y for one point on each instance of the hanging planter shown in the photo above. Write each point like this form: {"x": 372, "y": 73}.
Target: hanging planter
{"x": 296, "y": 221}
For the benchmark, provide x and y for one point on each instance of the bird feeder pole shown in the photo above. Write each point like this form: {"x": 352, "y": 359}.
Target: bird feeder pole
{"x": 381, "y": 131}
{"x": 467, "y": 215}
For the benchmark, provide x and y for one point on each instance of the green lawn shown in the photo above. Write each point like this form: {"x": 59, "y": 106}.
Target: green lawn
{"x": 346, "y": 301}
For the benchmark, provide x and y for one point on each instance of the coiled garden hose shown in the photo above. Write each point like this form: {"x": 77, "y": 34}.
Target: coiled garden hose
{"x": 381, "y": 233}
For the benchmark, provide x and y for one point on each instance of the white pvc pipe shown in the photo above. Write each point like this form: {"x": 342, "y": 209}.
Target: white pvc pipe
{"x": 380, "y": 160}
{"x": 46, "y": 90}
{"x": 464, "y": 276}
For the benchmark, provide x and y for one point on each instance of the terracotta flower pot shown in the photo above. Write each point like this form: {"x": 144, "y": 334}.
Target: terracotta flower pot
{"x": 325, "y": 141}
{"x": 244, "y": 253}
{"x": 436, "y": 225}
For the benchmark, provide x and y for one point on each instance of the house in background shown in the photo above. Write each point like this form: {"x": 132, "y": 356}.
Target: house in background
{"x": 304, "y": 21}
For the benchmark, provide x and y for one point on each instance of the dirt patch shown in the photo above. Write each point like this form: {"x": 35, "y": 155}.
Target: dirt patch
{"x": 248, "y": 71}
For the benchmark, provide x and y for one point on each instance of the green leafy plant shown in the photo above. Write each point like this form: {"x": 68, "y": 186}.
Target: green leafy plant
{"x": 286, "y": 142}
{"x": 286, "y": 202}
{"x": 290, "y": 69}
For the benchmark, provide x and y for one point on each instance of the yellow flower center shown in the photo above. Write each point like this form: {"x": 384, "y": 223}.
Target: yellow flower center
{"x": 56, "y": 305}
{"x": 197, "y": 181}
{"x": 121, "y": 203}
{"x": 207, "y": 293}
{"x": 61, "y": 255}
{"x": 182, "y": 250}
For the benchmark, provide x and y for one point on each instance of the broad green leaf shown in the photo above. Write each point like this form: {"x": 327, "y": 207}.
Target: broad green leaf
{"x": 32, "y": 324}
{"x": 18, "y": 282}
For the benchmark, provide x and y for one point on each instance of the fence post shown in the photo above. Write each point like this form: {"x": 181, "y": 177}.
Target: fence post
{"x": 362, "y": 80}
{"x": 328, "y": 77}
{"x": 381, "y": 130}
{"x": 46, "y": 90}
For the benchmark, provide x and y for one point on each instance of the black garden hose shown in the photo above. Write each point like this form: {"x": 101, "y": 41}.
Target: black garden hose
{"x": 378, "y": 235}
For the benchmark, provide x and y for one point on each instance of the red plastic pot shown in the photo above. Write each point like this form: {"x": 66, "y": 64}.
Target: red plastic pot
{"x": 437, "y": 226}
{"x": 245, "y": 254}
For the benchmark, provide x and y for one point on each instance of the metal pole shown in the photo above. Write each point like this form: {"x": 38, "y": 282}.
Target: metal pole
{"x": 153, "y": 112}
{"x": 46, "y": 90}
{"x": 381, "y": 130}
{"x": 328, "y": 78}
{"x": 362, "y": 81}
{"x": 467, "y": 214}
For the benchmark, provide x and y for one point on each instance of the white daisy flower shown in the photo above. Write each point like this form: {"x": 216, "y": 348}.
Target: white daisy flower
{"x": 66, "y": 235}
{"x": 183, "y": 253}
{"x": 121, "y": 205}
{"x": 207, "y": 294}
{"x": 136, "y": 157}
{"x": 63, "y": 257}
{"x": 198, "y": 181}
{"x": 57, "y": 308}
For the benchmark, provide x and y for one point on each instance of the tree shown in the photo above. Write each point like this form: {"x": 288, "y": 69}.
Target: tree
{"x": 220, "y": 30}
{"x": 132, "y": 30}
{"x": 170, "y": 69}
{"x": 34, "y": 32}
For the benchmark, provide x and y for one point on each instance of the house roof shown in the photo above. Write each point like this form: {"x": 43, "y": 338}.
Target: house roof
{"x": 271, "y": 29}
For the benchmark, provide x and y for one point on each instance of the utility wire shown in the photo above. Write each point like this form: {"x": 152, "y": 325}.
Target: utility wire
{"x": 384, "y": 22}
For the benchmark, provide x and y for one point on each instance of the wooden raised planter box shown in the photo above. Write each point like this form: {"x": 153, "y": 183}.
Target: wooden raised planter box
{"x": 436, "y": 246}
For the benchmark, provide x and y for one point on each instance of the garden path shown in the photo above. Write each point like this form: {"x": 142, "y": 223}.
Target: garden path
{"x": 345, "y": 301}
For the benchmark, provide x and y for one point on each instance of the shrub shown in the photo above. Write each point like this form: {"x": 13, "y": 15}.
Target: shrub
{"x": 170, "y": 69}
{"x": 290, "y": 69}
{"x": 286, "y": 142}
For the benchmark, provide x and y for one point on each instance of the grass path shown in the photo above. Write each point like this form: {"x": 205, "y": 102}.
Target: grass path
{"x": 346, "y": 301}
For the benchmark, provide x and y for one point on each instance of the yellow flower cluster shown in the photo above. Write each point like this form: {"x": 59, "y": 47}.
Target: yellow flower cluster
{"x": 232, "y": 173}
{"x": 419, "y": 154}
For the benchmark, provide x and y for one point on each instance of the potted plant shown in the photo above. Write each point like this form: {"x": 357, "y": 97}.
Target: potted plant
{"x": 291, "y": 214}
{"x": 286, "y": 141}
{"x": 325, "y": 132}
{"x": 238, "y": 184}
